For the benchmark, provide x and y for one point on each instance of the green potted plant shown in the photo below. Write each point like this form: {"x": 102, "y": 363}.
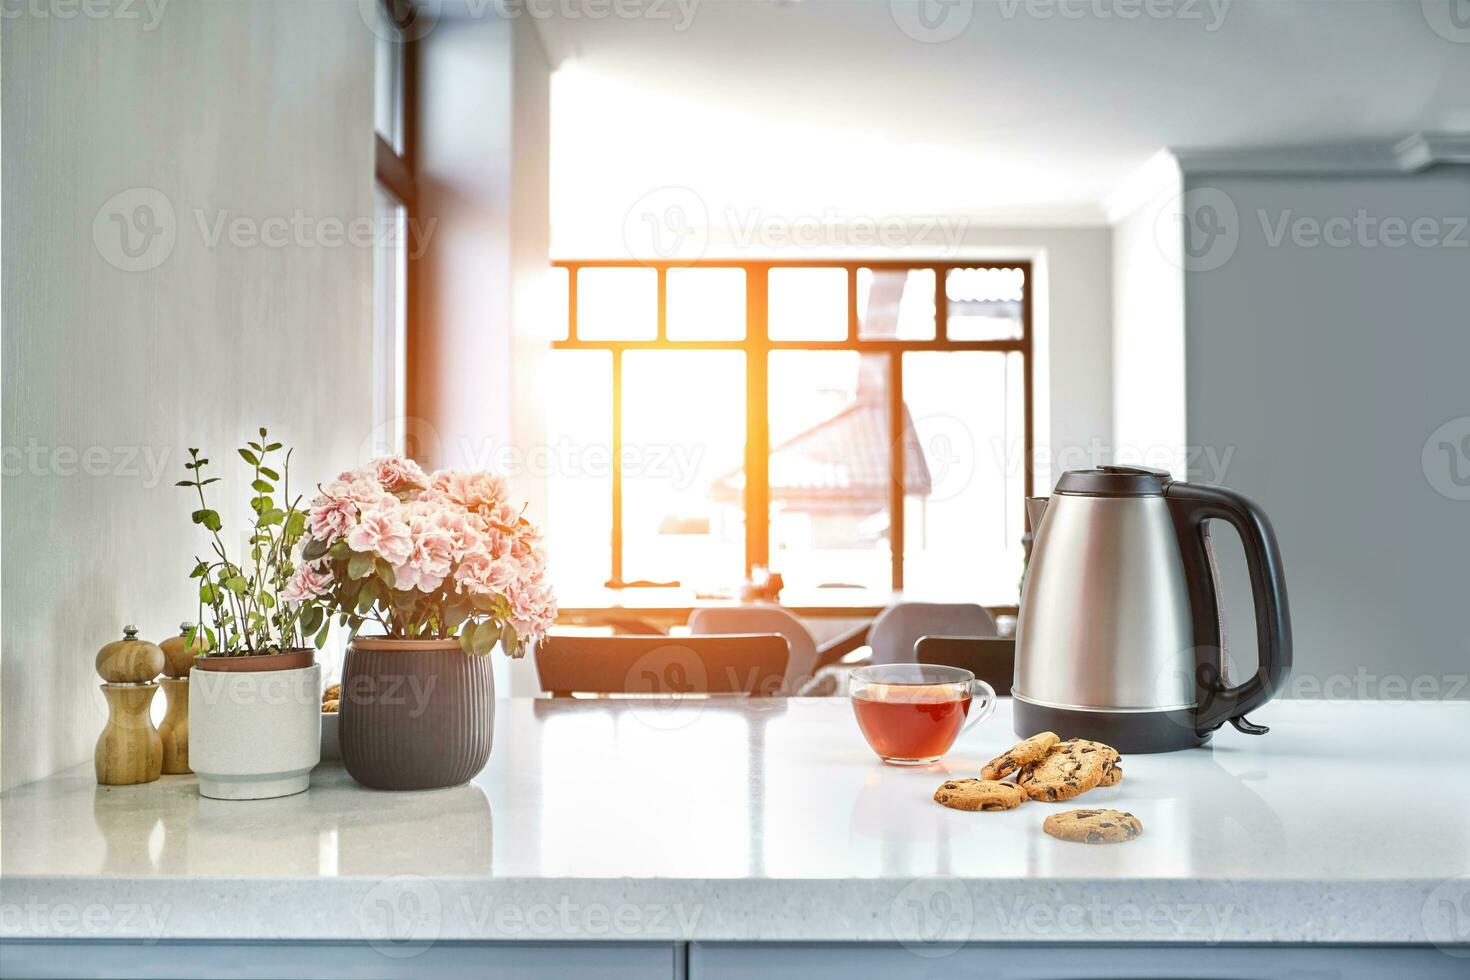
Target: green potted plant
{"x": 448, "y": 569}
{"x": 254, "y": 707}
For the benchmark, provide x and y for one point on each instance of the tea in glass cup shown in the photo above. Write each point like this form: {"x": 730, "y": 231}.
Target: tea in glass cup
{"x": 911, "y": 714}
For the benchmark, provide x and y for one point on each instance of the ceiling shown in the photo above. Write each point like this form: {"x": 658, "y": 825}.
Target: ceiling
{"x": 1004, "y": 112}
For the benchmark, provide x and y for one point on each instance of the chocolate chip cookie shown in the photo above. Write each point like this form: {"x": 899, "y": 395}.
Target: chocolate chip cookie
{"x": 979, "y": 794}
{"x": 1070, "y": 769}
{"x": 1033, "y": 749}
{"x": 1093, "y": 826}
{"x": 1112, "y": 774}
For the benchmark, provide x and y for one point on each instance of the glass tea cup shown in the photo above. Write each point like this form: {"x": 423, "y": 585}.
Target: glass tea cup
{"x": 912, "y": 713}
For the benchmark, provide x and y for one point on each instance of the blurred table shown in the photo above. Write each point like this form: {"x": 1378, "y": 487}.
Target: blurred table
{"x": 671, "y": 606}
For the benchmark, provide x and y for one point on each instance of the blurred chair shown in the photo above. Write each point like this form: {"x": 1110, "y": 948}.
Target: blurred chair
{"x": 715, "y": 620}
{"x": 898, "y": 628}
{"x": 990, "y": 659}
{"x": 745, "y": 664}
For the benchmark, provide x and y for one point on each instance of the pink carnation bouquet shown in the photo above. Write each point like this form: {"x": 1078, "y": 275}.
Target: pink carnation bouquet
{"x": 426, "y": 557}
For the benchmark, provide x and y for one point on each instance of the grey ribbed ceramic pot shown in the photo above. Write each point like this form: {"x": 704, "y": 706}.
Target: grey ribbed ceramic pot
{"x": 415, "y": 714}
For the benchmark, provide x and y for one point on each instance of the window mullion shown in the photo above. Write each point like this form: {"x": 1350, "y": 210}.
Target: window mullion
{"x": 757, "y": 427}
{"x": 896, "y": 459}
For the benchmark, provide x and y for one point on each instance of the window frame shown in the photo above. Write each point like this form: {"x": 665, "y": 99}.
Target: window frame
{"x": 394, "y": 172}
{"x": 758, "y": 345}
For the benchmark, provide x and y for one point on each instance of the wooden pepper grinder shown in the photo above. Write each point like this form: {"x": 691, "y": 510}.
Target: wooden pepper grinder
{"x": 178, "y": 658}
{"x": 129, "y": 750}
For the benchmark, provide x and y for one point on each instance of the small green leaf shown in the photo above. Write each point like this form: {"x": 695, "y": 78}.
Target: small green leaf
{"x": 360, "y": 565}
{"x": 184, "y": 483}
{"x": 313, "y": 549}
{"x": 249, "y": 457}
{"x": 311, "y": 620}
{"x": 273, "y": 516}
{"x": 260, "y": 486}
{"x": 321, "y": 636}
{"x": 206, "y": 593}
{"x": 208, "y": 518}
{"x": 385, "y": 574}
{"x": 484, "y": 637}
{"x": 213, "y": 479}
{"x": 269, "y": 473}
{"x": 237, "y": 584}
{"x": 340, "y": 550}
{"x": 273, "y": 447}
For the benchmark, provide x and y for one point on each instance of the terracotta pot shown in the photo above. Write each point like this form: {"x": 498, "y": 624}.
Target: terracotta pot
{"x": 415, "y": 714}
{"x": 285, "y": 660}
{"x": 255, "y": 724}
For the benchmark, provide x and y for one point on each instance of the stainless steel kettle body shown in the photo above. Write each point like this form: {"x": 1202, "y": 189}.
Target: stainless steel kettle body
{"x": 1118, "y": 637}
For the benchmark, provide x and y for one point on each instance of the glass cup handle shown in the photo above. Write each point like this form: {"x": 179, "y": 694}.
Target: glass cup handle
{"x": 977, "y": 686}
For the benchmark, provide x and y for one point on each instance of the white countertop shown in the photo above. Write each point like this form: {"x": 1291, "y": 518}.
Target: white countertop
{"x": 772, "y": 820}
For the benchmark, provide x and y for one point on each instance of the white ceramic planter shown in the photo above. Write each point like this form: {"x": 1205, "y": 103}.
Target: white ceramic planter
{"x": 254, "y": 735}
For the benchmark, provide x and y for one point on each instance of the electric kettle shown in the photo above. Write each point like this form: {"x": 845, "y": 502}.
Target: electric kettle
{"x": 1119, "y": 633}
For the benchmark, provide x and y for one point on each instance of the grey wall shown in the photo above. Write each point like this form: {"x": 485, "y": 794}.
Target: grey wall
{"x": 255, "y": 111}
{"x": 1326, "y": 369}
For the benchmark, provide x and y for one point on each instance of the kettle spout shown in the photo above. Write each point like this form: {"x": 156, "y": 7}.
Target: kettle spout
{"x": 1035, "y": 511}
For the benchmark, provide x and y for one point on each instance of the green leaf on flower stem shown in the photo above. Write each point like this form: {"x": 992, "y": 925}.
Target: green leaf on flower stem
{"x": 269, "y": 473}
{"x": 313, "y": 549}
{"x": 482, "y": 639}
{"x": 260, "y": 486}
{"x": 385, "y": 574}
{"x": 273, "y": 516}
{"x": 205, "y": 483}
{"x": 273, "y": 447}
{"x": 367, "y": 596}
{"x": 237, "y": 584}
{"x": 267, "y": 600}
{"x": 339, "y": 551}
{"x": 199, "y": 571}
{"x": 249, "y": 457}
{"x": 360, "y": 565}
{"x": 184, "y": 483}
{"x": 208, "y": 518}
{"x": 311, "y": 620}
{"x": 321, "y": 636}
{"x": 296, "y": 524}
{"x": 509, "y": 641}
{"x": 206, "y": 593}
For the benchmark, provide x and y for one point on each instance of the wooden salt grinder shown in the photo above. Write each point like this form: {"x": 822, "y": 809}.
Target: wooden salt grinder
{"x": 178, "y": 658}
{"x": 129, "y": 749}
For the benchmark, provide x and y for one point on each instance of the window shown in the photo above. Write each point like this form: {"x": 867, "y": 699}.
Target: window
{"x": 847, "y": 424}
{"x": 393, "y": 202}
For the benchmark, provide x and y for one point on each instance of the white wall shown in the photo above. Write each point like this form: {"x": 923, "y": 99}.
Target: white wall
{"x": 483, "y": 322}
{"x": 1148, "y": 330}
{"x": 261, "y": 110}
{"x": 1327, "y": 369}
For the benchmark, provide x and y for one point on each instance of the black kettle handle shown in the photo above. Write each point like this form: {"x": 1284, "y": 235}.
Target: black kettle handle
{"x": 1192, "y": 505}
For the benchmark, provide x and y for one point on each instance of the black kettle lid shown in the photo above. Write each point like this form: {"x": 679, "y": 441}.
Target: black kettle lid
{"x": 1114, "y": 481}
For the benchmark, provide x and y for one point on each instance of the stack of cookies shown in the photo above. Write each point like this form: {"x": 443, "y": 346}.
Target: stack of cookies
{"x": 1050, "y": 770}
